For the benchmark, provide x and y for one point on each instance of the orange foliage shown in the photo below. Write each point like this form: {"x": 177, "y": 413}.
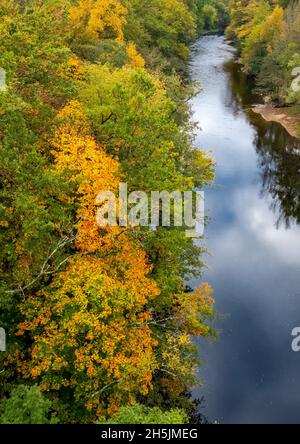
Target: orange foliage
{"x": 87, "y": 165}
{"x": 84, "y": 341}
{"x": 90, "y": 327}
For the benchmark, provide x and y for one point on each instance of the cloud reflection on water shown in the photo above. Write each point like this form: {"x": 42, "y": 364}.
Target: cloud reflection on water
{"x": 254, "y": 266}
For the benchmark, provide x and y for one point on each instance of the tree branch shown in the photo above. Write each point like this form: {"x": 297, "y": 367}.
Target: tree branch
{"x": 44, "y": 271}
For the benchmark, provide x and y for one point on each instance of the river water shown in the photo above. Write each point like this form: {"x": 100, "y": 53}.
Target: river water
{"x": 251, "y": 374}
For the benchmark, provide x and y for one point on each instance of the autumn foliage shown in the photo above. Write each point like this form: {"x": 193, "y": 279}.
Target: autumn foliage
{"x": 91, "y": 19}
{"x": 98, "y": 318}
{"x": 268, "y": 37}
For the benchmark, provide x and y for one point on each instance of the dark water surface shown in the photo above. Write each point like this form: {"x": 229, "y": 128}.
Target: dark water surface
{"x": 251, "y": 373}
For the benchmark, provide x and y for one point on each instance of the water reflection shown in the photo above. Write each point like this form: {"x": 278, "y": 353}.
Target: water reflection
{"x": 278, "y": 152}
{"x": 251, "y": 373}
{"x": 279, "y": 162}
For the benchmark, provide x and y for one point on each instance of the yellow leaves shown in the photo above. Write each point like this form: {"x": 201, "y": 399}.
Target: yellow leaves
{"x": 92, "y": 319}
{"x": 177, "y": 360}
{"x": 35, "y": 372}
{"x": 204, "y": 293}
{"x": 174, "y": 362}
{"x": 95, "y": 19}
{"x": 193, "y": 309}
{"x": 90, "y": 326}
{"x": 75, "y": 68}
{"x": 136, "y": 60}
{"x": 88, "y": 165}
{"x": 184, "y": 340}
{"x": 259, "y": 25}
{"x": 94, "y": 171}
{"x": 91, "y": 372}
{"x": 86, "y": 331}
{"x": 204, "y": 165}
{"x": 72, "y": 115}
{"x": 274, "y": 27}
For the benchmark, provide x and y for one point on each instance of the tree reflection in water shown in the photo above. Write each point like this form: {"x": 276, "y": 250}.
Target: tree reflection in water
{"x": 278, "y": 152}
{"x": 279, "y": 161}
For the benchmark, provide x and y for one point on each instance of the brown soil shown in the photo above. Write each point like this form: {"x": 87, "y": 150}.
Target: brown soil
{"x": 280, "y": 115}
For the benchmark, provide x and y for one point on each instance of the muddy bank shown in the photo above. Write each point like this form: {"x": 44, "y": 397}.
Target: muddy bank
{"x": 280, "y": 115}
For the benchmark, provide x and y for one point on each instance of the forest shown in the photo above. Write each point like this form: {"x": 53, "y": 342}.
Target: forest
{"x": 97, "y": 320}
{"x": 267, "y": 34}
{"x": 100, "y": 322}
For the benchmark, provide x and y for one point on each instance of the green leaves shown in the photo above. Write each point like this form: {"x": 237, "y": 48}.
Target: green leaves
{"x": 139, "y": 414}
{"x": 26, "y": 405}
{"x": 82, "y": 309}
{"x": 268, "y": 36}
{"x": 166, "y": 25}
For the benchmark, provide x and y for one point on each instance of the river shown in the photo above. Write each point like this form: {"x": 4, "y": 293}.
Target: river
{"x": 251, "y": 374}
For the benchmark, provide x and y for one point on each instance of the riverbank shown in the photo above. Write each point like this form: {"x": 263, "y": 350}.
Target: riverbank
{"x": 288, "y": 117}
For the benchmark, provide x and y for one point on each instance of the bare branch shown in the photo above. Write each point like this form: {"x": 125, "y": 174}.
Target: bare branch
{"x": 104, "y": 388}
{"x": 44, "y": 270}
{"x": 106, "y": 119}
{"x": 45, "y": 267}
{"x": 167, "y": 371}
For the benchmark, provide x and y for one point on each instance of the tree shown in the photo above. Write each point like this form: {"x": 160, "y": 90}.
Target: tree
{"x": 165, "y": 26}
{"x": 91, "y": 339}
{"x": 94, "y": 313}
{"x": 268, "y": 38}
{"x": 35, "y": 57}
{"x": 210, "y": 17}
{"x": 139, "y": 414}
{"x": 91, "y": 20}
{"x": 26, "y": 405}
